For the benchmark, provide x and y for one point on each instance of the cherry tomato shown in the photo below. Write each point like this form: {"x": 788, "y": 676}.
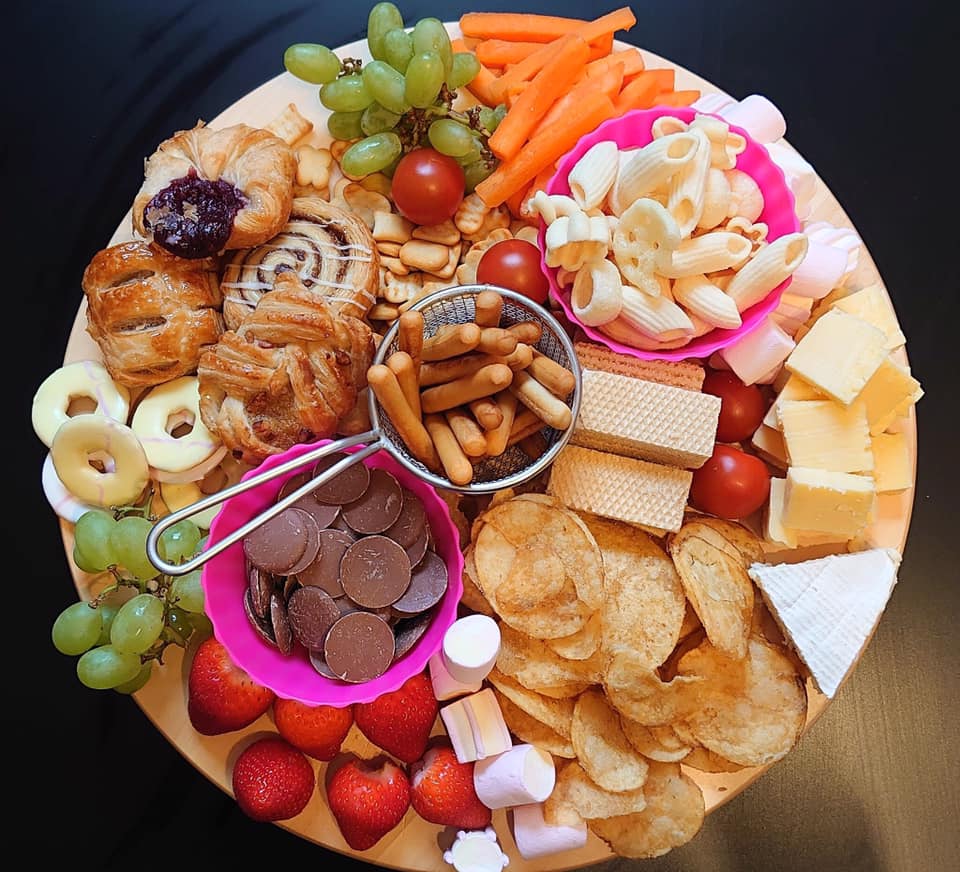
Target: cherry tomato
{"x": 514, "y": 264}
{"x": 742, "y": 407}
{"x": 731, "y": 484}
{"x": 427, "y": 186}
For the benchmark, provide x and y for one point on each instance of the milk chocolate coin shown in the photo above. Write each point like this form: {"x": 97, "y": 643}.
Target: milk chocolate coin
{"x": 375, "y": 572}
{"x": 348, "y": 486}
{"x": 378, "y": 508}
{"x": 359, "y": 647}
{"x": 324, "y": 572}
{"x": 428, "y": 584}
{"x": 311, "y": 612}
{"x": 278, "y": 544}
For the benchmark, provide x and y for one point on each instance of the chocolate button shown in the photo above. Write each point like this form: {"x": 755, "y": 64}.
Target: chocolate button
{"x": 341, "y": 525}
{"x": 375, "y": 572}
{"x": 416, "y": 551}
{"x": 350, "y": 485}
{"x": 324, "y": 572}
{"x": 312, "y": 548}
{"x": 318, "y": 663}
{"x": 281, "y": 624}
{"x": 407, "y": 528}
{"x": 324, "y": 515}
{"x": 278, "y": 544}
{"x": 359, "y": 647}
{"x": 312, "y": 612}
{"x": 261, "y": 586}
{"x": 428, "y": 583}
{"x": 409, "y": 631}
{"x": 379, "y": 507}
{"x": 262, "y": 627}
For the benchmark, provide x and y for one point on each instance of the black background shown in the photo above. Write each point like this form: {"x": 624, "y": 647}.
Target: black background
{"x": 868, "y": 90}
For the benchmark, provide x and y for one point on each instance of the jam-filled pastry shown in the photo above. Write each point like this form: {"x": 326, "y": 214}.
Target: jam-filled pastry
{"x": 286, "y": 375}
{"x": 330, "y": 249}
{"x": 151, "y": 313}
{"x": 205, "y": 191}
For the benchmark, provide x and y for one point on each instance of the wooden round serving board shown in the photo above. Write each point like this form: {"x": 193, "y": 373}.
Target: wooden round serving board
{"x": 416, "y": 844}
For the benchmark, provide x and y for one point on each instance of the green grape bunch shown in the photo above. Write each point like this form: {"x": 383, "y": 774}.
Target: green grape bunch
{"x": 402, "y": 99}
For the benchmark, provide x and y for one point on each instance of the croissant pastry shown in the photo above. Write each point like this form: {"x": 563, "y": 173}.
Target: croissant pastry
{"x": 207, "y": 190}
{"x": 287, "y": 375}
{"x": 151, "y": 313}
{"x": 330, "y": 249}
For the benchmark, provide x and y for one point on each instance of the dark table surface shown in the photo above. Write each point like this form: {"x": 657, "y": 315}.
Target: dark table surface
{"x": 867, "y": 89}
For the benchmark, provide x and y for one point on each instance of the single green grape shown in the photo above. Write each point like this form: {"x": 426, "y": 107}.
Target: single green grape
{"x": 346, "y": 94}
{"x": 386, "y": 85}
{"x": 128, "y": 540}
{"x": 138, "y": 680}
{"x": 346, "y": 125}
{"x": 202, "y": 627}
{"x": 471, "y": 155}
{"x": 372, "y": 154}
{"x": 179, "y": 541}
{"x": 311, "y": 62}
{"x": 376, "y": 119}
{"x": 451, "y": 137}
{"x": 201, "y": 544}
{"x": 179, "y": 621}
{"x": 76, "y": 629}
{"x": 463, "y": 69}
{"x": 487, "y": 119}
{"x": 429, "y": 34}
{"x": 138, "y": 624}
{"x": 475, "y": 173}
{"x": 398, "y": 48}
{"x": 91, "y": 536}
{"x": 108, "y": 611}
{"x": 105, "y": 667}
{"x": 186, "y": 592}
{"x": 423, "y": 79}
{"x": 500, "y": 112}
{"x": 383, "y": 18}
{"x": 81, "y": 561}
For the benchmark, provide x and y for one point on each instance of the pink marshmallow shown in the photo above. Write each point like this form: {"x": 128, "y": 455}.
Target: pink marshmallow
{"x": 758, "y": 116}
{"x": 820, "y": 271}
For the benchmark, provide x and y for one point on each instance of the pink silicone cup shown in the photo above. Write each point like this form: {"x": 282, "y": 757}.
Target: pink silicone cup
{"x": 224, "y": 581}
{"x": 779, "y": 214}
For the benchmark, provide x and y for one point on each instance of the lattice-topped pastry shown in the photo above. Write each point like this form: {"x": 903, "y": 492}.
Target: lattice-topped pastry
{"x": 286, "y": 375}
{"x": 331, "y": 250}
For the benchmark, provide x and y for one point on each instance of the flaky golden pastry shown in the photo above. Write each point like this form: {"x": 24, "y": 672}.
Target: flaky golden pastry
{"x": 330, "y": 249}
{"x": 151, "y": 313}
{"x": 287, "y": 375}
{"x": 205, "y": 191}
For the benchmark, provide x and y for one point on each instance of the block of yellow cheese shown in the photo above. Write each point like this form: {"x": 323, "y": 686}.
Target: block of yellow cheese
{"x": 872, "y": 304}
{"x": 840, "y": 503}
{"x": 891, "y": 458}
{"x": 826, "y": 435}
{"x": 775, "y": 531}
{"x": 768, "y": 443}
{"x": 889, "y": 394}
{"x": 794, "y": 388}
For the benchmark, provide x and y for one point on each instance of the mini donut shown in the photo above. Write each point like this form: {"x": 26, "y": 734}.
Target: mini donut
{"x": 64, "y": 503}
{"x": 179, "y": 496}
{"x": 161, "y": 411}
{"x": 86, "y": 437}
{"x": 194, "y": 473}
{"x": 84, "y": 379}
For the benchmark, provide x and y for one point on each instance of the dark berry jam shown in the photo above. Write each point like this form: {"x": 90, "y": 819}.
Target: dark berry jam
{"x": 193, "y": 217}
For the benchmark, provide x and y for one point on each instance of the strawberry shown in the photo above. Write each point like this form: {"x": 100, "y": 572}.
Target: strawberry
{"x": 400, "y": 722}
{"x": 368, "y": 798}
{"x": 442, "y": 791}
{"x": 221, "y": 697}
{"x": 272, "y": 780}
{"x": 316, "y": 730}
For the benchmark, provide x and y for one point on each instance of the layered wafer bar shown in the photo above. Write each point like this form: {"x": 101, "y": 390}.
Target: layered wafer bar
{"x": 679, "y": 373}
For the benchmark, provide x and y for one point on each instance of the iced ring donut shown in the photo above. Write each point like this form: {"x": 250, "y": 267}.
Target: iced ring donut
{"x": 84, "y": 379}
{"x": 160, "y": 412}
{"x": 64, "y": 503}
{"x": 86, "y": 437}
{"x": 193, "y": 473}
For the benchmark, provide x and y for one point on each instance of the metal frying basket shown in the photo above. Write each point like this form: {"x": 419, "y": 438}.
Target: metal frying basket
{"x": 512, "y": 468}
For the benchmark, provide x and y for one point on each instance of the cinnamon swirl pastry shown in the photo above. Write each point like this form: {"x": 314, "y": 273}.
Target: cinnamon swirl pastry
{"x": 331, "y": 250}
{"x": 207, "y": 190}
{"x": 151, "y": 313}
{"x": 287, "y": 375}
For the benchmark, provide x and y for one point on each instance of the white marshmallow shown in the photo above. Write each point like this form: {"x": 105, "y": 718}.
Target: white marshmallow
{"x": 837, "y": 237}
{"x": 763, "y": 349}
{"x": 522, "y": 775}
{"x": 470, "y": 648}
{"x": 536, "y": 838}
{"x": 64, "y": 503}
{"x": 801, "y": 177}
{"x": 476, "y": 727}
{"x": 758, "y": 116}
{"x": 820, "y": 271}
{"x": 713, "y": 103}
{"x": 476, "y": 851}
{"x": 445, "y": 686}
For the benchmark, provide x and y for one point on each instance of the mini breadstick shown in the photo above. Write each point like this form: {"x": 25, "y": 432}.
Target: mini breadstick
{"x": 483, "y": 383}
{"x": 496, "y": 340}
{"x": 487, "y": 413}
{"x": 410, "y": 336}
{"x": 527, "y": 331}
{"x": 555, "y": 378}
{"x": 496, "y": 439}
{"x": 404, "y": 369}
{"x": 451, "y": 340}
{"x": 534, "y": 445}
{"x": 519, "y": 434}
{"x": 521, "y": 358}
{"x": 535, "y": 396}
{"x": 455, "y": 463}
{"x": 441, "y": 371}
{"x": 489, "y": 305}
{"x": 387, "y": 390}
{"x": 467, "y": 431}
{"x": 523, "y": 420}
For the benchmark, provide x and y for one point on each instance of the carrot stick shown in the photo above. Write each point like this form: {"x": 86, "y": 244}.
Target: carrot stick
{"x": 537, "y": 98}
{"x": 516, "y": 200}
{"x": 631, "y": 59}
{"x": 620, "y": 19}
{"x": 676, "y": 98}
{"x": 601, "y": 47}
{"x": 639, "y": 93}
{"x": 516, "y": 26}
{"x": 514, "y": 93}
{"x": 543, "y": 149}
{"x": 482, "y": 87}
{"x": 608, "y": 83}
{"x": 500, "y": 52}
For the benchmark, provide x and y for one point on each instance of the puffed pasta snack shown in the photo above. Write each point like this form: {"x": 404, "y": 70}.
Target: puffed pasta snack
{"x": 646, "y": 232}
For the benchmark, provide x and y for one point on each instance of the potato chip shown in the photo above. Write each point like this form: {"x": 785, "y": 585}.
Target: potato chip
{"x": 752, "y": 711}
{"x": 537, "y": 667}
{"x": 554, "y": 713}
{"x": 691, "y": 623}
{"x": 528, "y": 729}
{"x": 536, "y": 575}
{"x": 602, "y": 749}
{"x": 655, "y": 743}
{"x": 672, "y": 817}
{"x": 472, "y": 597}
{"x": 706, "y": 761}
{"x": 583, "y": 644}
{"x": 575, "y": 789}
{"x": 745, "y": 541}
{"x": 639, "y": 693}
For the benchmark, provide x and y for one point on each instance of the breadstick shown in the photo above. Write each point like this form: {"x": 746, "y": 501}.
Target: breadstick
{"x": 410, "y": 336}
{"x": 523, "y": 420}
{"x": 489, "y": 305}
{"x": 496, "y": 340}
{"x": 555, "y": 378}
{"x": 450, "y": 340}
{"x": 521, "y": 433}
{"x": 467, "y": 431}
{"x": 456, "y": 464}
{"x": 535, "y": 396}
{"x": 402, "y": 366}
{"x": 534, "y": 445}
{"x": 483, "y": 383}
{"x": 496, "y": 441}
{"x": 487, "y": 413}
{"x": 387, "y": 390}
{"x": 521, "y": 358}
{"x": 440, "y": 371}
{"x": 527, "y": 331}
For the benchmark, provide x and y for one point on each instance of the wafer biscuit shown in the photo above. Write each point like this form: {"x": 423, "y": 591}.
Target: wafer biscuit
{"x": 681, "y": 373}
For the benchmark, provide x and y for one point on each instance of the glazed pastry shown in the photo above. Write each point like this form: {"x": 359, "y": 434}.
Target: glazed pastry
{"x": 151, "y": 313}
{"x": 205, "y": 191}
{"x": 330, "y": 249}
{"x": 287, "y": 375}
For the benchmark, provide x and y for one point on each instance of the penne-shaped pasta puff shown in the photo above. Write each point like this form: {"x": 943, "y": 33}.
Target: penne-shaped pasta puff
{"x": 592, "y": 175}
{"x": 596, "y": 297}
{"x": 716, "y": 200}
{"x": 746, "y": 199}
{"x": 700, "y": 297}
{"x": 646, "y": 230}
{"x": 656, "y": 317}
{"x": 724, "y": 145}
{"x": 552, "y": 206}
{"x": 687, "y": 185}
{"x": 769, "y": 267}
{"x": 574, "y": 240}
{"x": 710, "y": 252}
{"x": 649, "y": 167}
{"x": 666, "y": 125}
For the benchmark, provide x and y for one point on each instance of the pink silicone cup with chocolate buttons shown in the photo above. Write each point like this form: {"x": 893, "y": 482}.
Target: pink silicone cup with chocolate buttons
{"x": 779, "y": 214}
{"x": 224, "y": 581}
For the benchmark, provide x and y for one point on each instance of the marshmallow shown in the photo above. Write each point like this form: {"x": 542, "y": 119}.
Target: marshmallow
{"x": 713, "y": 103}
{"x": 801, "y": 177}
{"x": 763, "y": 349}
{"x": 522, "y": 775}
{"x": 476, "y": 727}
{"x": 837, "y": 237}
{"x": 820, "y": 271}
{"x": 758, "y": 116}
{"x": 536, "y": 838}
{"x": 64, "y": 503}
{"x": 470, "y": 648}
{"x": 445, "y": 686}
{"x": 476, "y": 851}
